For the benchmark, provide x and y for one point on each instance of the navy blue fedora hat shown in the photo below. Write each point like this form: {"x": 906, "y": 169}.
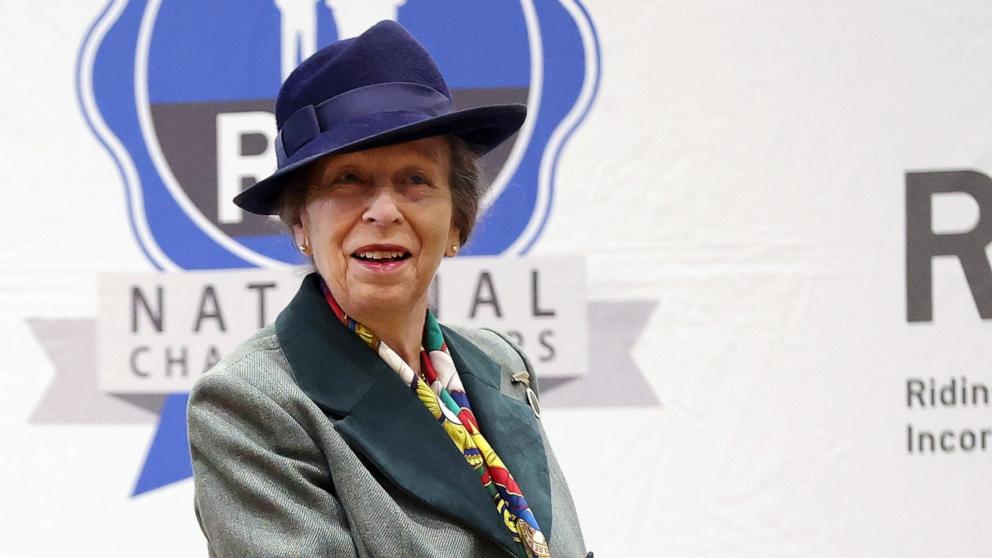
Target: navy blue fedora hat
{"x": 377, "y": 89}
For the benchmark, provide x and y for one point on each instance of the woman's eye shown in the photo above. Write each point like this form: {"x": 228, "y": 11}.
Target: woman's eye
{"x": 348, "y": 178}
{"x": 419, "y": 179}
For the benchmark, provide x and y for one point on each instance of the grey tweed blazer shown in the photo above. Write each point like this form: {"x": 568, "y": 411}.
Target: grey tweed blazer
{"x": 305, "y": 443}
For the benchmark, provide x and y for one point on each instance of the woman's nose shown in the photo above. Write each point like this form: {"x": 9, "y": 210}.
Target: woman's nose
{"x": 382, "y": 208}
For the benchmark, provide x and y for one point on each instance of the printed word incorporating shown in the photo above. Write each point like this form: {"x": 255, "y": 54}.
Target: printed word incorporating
{"x": 952, "y": 395}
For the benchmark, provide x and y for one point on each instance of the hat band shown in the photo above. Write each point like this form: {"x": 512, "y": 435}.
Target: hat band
{"x": 310, "y": 121}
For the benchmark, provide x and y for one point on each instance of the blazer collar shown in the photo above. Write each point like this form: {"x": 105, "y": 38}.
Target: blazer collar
{"x": 383, "y": 421}
{"x": 507, "y": 423}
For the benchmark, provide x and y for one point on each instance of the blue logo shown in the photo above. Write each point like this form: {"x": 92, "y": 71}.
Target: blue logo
{"x": 181, "y": 93}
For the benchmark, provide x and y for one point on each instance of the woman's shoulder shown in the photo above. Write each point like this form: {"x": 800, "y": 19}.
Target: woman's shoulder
{"x": 257, "y": 364}
{"x": 492, "y": 342}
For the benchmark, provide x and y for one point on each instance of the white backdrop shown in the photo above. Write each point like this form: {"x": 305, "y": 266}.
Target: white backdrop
{"x": 744, "y": 165}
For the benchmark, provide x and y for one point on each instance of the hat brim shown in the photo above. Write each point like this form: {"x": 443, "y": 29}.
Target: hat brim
{"x": 483, "y": 128}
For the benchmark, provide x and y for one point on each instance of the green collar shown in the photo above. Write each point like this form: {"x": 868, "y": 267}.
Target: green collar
{"x": 383, "y": 421}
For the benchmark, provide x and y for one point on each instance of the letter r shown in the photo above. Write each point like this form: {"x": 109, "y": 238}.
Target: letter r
{"x": 922, "y": 244}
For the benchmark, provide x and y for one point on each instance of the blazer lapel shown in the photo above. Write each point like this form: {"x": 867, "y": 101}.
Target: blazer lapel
{"x": 379, "y": 416}
{"x": 507, "y": 423}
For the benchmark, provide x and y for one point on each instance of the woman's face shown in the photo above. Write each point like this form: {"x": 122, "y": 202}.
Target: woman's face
{"x": 379, "y": 221}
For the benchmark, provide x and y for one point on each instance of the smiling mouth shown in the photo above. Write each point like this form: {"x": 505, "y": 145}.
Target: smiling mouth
{"x": 381, "y": 256}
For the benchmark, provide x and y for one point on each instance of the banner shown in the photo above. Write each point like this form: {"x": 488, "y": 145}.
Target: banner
{"x": 746, "y": 248}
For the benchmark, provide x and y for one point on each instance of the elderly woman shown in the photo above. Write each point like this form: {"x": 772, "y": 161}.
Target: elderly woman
{"x": 357, "y": 425}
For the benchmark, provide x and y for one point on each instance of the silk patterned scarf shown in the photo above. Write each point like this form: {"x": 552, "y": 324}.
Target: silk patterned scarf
{"x": 440, "y": 390}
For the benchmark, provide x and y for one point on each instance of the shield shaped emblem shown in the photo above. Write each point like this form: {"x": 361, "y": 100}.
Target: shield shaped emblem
{"x": 181, "y": 94}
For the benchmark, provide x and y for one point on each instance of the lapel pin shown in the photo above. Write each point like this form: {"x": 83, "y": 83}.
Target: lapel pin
{"x": 535, "y": 405}
{"x": 523, "y": 377}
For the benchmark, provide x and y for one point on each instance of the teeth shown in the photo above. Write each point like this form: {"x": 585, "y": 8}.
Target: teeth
{"x": 380, "y": 255}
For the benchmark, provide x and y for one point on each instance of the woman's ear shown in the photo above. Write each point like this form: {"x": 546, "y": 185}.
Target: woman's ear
{"x": 454, "y": 242}
{"x": 300, "y": 236}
